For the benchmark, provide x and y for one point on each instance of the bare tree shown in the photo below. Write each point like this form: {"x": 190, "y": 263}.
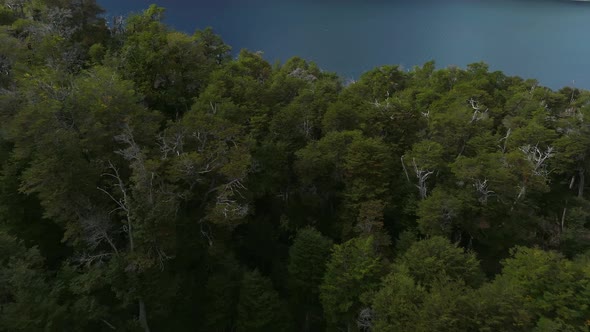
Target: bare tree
{"x": 144, "y": 181}
{"x": 60, "y": 22}
{"x": 98, "y": 229}
{"x": 17, "y": 6}
{"x": 505, "y": 139}
{"x": 5, "y": 65}
{"x": 422, "y": 175}
{"x": 537, "y": 158}
{"x": 88, "y": 259}
{"x": 302, "y": 74}
{"x": 124, "y": 204}
{"x": 482, "y": 189}
{"x": 521, "y": 191}
{"x": 118, "y": 25}
{"x": 448, "y": 213}
{"x": 193, "y": 155}
{"x": 478, "y": 114}
{"x": 307, "y": 128}
{"x": 405, "y": 169}
{"x": 171, "y": 145}
{"x": 365, "y": 319}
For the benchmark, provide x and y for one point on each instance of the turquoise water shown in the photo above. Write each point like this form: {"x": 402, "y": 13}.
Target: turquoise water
{"x": 544, "y": 39}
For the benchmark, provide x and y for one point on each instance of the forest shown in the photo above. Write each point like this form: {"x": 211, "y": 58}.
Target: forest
{"x": 153, "y": 180}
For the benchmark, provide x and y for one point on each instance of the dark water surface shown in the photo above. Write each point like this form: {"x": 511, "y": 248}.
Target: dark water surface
{"x": 545, "y": 39}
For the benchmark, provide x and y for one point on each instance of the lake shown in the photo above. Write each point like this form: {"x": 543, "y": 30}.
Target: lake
{"x": 546, "y": 40}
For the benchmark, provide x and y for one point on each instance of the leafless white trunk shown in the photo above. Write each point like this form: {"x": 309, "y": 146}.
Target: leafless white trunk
{"x": 405, "y": 169}
{"x": 521, "y": 192}
{"x": 482, "y": 189}
{"x": 365, "y": 319}
{"x": 505, "y": 139}
{"x": 422, "y": 176}
{"x": 122, "y": 203}
{"x": 143, "y": 316}
{"x": 537, "y": 158}
{"x": 563, "y": 219}
{"x": 478, "y": 114}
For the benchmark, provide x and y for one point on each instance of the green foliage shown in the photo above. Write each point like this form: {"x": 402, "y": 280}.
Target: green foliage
{"x": 307, "y": 261}
{"x": 259, "y": 306}
{"x": 65, "y": 131}
{"x": 444, "y": 308}
{"x": 438, "y": 212}
{"x": 405, "y": 241}
{"x": 397, "y": 303}
{"x": 147, "y": 176}
{"x": 537, "y": 290}
{"x": 27, "y": 300}
{"x": 353, "y": 270}
{"x": 222, "y": 293}
{"x": 401, "y": 304}
{"x": 169, "y": 68}
{"x": 437, "y": 258}
{"x": 365, "y": 168}
{"x": 552, "y": 286}
{"x": 7, "y": 16}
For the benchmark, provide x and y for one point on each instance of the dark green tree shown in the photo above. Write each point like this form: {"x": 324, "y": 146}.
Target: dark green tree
{"x": 353, "y": 271}
{"x": 307, "y": 263}
{"x": 437, "y": 258}
{"x": 259, "y": 306}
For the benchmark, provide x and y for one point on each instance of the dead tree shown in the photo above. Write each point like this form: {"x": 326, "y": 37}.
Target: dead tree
{"x": 365, "y": 319}
{"x": 302, "y": 74}
{"x": 97, "y": 230}
{"x": 422, "y": 175}
{"x": 478, "y": 114}
{"x": 60, "y": 22}
{"x": 17, "y": 6}
{"x": 171, "y": 146}
{"x": 118, "y": 25}
{"x": 124, "y": 205}
{"x": 144, "y": 181}
{"x": 537, "y": 158}
{"x": 482, "y": 189}
{"x": 505, "y": 139}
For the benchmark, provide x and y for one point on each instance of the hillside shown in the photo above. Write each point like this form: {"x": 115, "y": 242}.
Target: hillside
{"x": 151, "y": 181}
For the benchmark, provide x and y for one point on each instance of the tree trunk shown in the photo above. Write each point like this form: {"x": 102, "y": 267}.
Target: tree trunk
{"x": 143, "y": 316}
{"x": 306, "y": 325}
{"x": 581, "y": 183}
{"x": 563, "y": 218}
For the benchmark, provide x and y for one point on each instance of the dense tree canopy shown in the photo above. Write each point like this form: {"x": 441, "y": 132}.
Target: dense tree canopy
{"x": 152, "y": 180}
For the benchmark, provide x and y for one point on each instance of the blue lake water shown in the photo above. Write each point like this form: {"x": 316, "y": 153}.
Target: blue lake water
{"x": 548, "y": 40}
